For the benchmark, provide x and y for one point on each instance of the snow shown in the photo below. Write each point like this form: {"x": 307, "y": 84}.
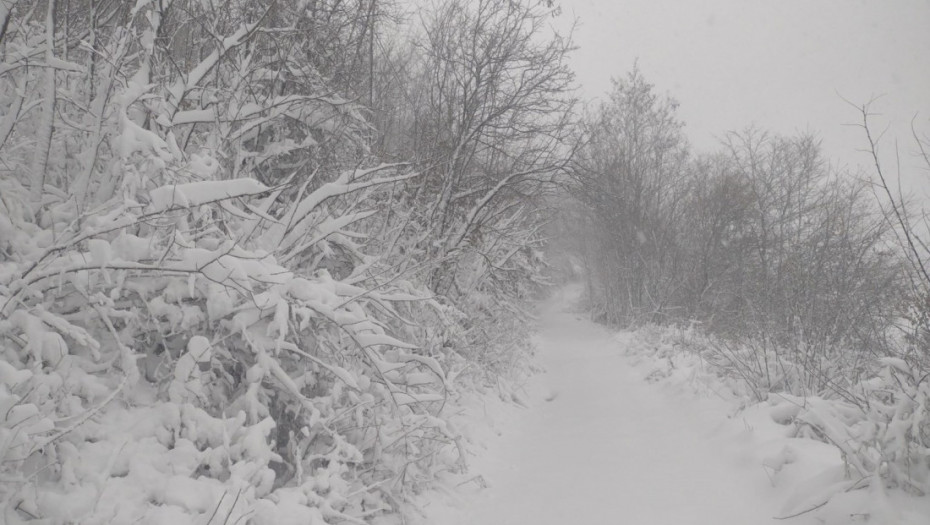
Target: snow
{"x": 380, "y": 339}
{"x": 199, "y": 348}
{"x": 198, "y": 193}
{"x": 604, "y": 441}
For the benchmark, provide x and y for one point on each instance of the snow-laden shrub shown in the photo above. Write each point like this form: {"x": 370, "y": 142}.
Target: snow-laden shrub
{"x": 879, "y": 428}
{"x": 885, "y": 435}
{"x": 876, "y": 417}
{"x": 178, "y": 347}
{"x": 873, "y": 410}
{"x": 765, "y": 367}
{"x": 164, "y": 347}
{"x": 875, "y": 413}
{"x": 200, "y": 319}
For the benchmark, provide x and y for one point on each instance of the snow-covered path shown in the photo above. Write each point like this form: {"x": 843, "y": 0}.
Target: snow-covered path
{"x": 602, "y": 446}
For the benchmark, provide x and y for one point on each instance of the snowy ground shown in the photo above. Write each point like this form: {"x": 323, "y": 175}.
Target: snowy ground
{"x": 600, "y": 444}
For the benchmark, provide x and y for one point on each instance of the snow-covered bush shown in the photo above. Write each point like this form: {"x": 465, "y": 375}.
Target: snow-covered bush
{"x": 884, "y": 434}
{"x": 194, "y": 326}
{"x": 217, "y": 304}
{"x": 878, "y": 419}
{"x": 874, "y": 411}
{"x": 835, "y": 459}
{"x": 175, "y": 308}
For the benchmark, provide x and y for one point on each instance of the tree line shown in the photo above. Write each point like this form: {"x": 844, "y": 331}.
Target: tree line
{"x": 762, "y": 242}
{"x": 792, "y": 278}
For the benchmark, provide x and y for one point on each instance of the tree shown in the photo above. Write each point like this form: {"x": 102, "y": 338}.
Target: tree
{"x": 493, "y": 122}
{"x": 629, "y": 174}
{"x": 910, "y": 227}
{"x": 815, "y": 279}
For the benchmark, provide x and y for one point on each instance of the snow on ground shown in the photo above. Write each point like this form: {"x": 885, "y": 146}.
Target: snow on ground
{"x": 599, "y": 443}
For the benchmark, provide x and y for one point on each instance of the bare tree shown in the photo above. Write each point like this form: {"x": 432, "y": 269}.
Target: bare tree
{"x": 629, "y": 174}
{"x": 763, "y": 243}
{"x": 491, "y": 114}
{"x": 910, "y": 227}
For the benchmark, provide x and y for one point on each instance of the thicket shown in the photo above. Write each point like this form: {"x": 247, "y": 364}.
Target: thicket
{"x": 808, "y": 281}
{"x": 250, "y": 251}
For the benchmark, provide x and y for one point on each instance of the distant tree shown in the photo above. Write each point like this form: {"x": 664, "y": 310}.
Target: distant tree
{"x": 813, "y": 270}
{"x": 629, "y": 175}
{"x": 484, "y": 106}
{"x": 763, "y": 243}
{"x": 492, "y": 120}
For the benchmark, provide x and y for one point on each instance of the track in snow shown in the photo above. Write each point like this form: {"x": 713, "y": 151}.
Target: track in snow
{"x": 609, "y": 448}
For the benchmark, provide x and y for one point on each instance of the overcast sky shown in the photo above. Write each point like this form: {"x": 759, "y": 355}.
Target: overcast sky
{"x": 781, "y": 64}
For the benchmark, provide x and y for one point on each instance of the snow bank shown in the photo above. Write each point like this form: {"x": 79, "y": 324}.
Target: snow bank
{"x": 828, "y": 459}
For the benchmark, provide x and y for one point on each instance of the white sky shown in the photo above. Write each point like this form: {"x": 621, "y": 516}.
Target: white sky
{"x": 781, "y": 64}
